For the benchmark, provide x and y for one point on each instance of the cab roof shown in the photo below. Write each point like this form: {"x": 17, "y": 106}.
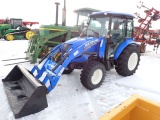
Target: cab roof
{"x": 85, "y": 11}
{"x": 112, "y": 13}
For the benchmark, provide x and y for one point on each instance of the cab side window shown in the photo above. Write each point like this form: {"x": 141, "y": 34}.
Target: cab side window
{"x": 117, "y": 30}
{"x": 129, "y": 29}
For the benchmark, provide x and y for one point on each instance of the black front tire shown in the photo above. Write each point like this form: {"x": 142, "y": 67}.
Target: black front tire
{"x": 92, "y": 75}
{"x": 128, "y": 60}
{"x": 69, "y": 71}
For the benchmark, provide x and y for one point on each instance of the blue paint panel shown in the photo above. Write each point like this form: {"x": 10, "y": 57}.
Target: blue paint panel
{"x": 102, "y": 47}
{"x": 83, "y": 58}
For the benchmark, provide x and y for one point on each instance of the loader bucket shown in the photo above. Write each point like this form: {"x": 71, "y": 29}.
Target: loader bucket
{"x": 25, "y": 94}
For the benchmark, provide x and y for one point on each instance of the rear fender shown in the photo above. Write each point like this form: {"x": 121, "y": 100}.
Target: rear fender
{"x": 122, "y": 46}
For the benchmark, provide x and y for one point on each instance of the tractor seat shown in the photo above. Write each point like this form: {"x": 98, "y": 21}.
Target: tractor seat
{"x": 115, "y": 35}
{"x": 115, "y": 38}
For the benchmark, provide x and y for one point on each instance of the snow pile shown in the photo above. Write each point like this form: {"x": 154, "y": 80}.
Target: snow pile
{"x": 71, "y": 101}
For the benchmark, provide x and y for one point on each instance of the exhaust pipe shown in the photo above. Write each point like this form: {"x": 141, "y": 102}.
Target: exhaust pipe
{"x": 64, "y": 14}
{"x": 25, "y": 94}
{"x": 57, "y": 4}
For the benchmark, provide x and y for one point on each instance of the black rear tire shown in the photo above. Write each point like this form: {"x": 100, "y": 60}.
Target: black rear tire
{"x": 142, "y": 48}
{"x": 128, "y": 60}
{"x": 92, "y": 75}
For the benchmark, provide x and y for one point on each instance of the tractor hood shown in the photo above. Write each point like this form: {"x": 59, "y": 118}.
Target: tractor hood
{"x": 78, "y": 41}
{"x": 5, "y": 26}
{"x": 47, "y": 29}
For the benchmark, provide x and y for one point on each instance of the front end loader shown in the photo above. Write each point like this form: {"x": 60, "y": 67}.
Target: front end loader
{"x": 25, "y": 94}
{"x": 107, "y": 43}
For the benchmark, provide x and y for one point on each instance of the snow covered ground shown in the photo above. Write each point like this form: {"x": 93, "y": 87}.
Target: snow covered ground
{"x": 71, "y": 101}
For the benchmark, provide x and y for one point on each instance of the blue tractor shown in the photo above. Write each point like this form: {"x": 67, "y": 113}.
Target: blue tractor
{"x": 106, "y": 43}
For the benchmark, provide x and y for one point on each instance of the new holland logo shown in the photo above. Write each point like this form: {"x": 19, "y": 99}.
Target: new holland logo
{"x": 91, "y": 43}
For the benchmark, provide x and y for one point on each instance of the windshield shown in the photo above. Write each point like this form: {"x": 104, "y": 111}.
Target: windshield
{"x": 110, "y": 25}
{"x": 99, "y": 25}
{"x": 82, "y": 20}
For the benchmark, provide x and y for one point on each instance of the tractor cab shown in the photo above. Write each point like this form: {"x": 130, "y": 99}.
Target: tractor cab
{"x": 16, "y": 23}
{"x": 82, "y": 15}
{"x": 116, "y": 27}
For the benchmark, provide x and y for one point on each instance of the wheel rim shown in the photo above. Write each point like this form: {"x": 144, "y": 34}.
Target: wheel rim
{"x": 97, "y": 76}
{"x": 9, "y": 37}
{"x": 132, "y": 62}
{"x": 29, "y": 34}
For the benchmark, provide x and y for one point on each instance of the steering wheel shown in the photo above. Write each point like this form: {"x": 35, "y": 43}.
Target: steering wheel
{"x": 116, "y": 38}
{"x": 95, "y": 34}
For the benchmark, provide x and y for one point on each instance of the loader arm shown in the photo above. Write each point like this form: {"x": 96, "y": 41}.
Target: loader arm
{"x": 51, "y": 71}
